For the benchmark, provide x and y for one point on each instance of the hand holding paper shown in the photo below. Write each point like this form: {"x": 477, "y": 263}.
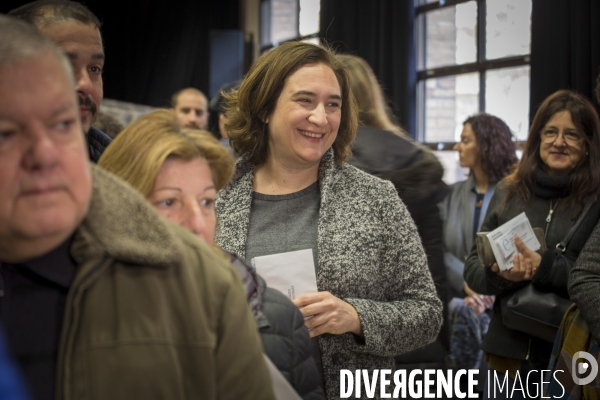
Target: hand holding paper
{"x": 525, "y": 264}
{"x": 329, "y": 314}
{"x": 503, "y": 243}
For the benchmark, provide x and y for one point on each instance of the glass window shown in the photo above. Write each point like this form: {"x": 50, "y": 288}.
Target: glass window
{"x": 451, "y": 35}
{"x": 449, "y": 101}
{"x": 309, "y": 16}
{"x": 508, "y": 28}
{"x": 507, "y": 97}
{"x": 456, "y": 79}
{"x": 283, "y": 20}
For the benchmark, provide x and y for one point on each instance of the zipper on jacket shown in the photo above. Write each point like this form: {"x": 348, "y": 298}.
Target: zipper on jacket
{"x": 528, "y": 350}
{"x": 549, "y": 217}
{"x": 61, "y": 387}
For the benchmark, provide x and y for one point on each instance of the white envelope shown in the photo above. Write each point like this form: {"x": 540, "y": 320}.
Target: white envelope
{"x": 293, "y": 273}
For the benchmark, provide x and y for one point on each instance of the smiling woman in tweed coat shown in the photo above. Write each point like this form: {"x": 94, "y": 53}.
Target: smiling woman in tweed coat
{"x": 292, "y": 122}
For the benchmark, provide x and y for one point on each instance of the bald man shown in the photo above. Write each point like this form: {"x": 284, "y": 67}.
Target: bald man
{"x": 191, "y": 108}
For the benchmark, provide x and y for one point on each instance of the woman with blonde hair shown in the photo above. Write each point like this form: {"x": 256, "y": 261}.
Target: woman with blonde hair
{"x": 180, "y": 171}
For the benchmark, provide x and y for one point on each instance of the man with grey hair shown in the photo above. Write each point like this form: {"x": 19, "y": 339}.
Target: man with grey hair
{"x": 76, "y": 31}
{"x": 99, "y": 296}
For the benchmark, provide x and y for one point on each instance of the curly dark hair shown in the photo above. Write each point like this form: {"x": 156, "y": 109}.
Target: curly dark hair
{"x": 248, "y": 107}
{"x": 586, "y": 176}
{"x": 496, "y": 149}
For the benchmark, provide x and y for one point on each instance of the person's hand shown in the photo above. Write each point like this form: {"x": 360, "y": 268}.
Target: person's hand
{"x": 528, "y": 254}
{"x": 525, "y": 264}
{"x": 329, "y": 314}
{"x": 478, "y": 302}
{"x": 475, "y": 303}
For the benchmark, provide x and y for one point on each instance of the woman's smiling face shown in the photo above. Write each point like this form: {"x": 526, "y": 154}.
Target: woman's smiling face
{"x": 306, "y": 118}
{"x": 559, "y": 156}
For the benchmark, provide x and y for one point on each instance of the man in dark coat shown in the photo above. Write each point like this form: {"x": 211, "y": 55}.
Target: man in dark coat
{"x": 76, "y": 31}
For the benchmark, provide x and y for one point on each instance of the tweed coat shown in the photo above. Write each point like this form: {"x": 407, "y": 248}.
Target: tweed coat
{"x": 369, "y": 254}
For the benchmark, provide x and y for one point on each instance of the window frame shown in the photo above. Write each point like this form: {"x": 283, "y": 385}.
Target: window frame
{"x": 481, "y": 65}
{"x": 265, "y": 28}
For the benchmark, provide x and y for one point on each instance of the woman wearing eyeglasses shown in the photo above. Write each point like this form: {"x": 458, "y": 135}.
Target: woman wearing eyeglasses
{"x": 559, "y": 173}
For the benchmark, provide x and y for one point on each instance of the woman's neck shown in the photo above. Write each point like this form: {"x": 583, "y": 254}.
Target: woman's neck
{"x": 274, "y": 177}
{"x": 481, "y": 179}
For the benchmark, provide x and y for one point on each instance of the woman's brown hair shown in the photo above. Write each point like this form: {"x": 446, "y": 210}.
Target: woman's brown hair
{"x": 248, "y": 107}
{"x": 373, "y": 109}
{"x": 586, "y": 176}
{"x": 495, "y": 148}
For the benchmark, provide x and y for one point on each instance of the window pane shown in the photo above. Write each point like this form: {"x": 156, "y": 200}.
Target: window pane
{"x": 448, "y": 102}
{"x": 453, "y": 172}
{"x": 284, "y": 20}
{"x": 507, "y": 97}
{"x": 451, "y": 35}
{"x": 315, "y": 40}
{"x": 508, "y": 28}
{"x": 309, "y": 16}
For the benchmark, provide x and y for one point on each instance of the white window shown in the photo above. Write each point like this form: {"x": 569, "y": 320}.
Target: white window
{"x": 472, "y": 56}
{"x": 283, "y": 20}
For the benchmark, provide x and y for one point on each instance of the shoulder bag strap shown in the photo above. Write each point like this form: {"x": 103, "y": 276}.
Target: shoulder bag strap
{"x": 562, "y": 246}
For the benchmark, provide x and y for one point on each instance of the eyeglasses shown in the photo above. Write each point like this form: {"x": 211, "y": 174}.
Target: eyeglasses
{"x": 570, "y": 137}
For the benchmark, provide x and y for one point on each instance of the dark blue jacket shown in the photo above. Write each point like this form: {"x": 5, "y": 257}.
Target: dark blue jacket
{"x": 11, "y": 386}
{"x": 97, "y": 142}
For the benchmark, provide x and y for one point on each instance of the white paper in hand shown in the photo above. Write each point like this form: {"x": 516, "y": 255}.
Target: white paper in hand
{"x": 503, "y": 244}
{"x": 293, "y": 273}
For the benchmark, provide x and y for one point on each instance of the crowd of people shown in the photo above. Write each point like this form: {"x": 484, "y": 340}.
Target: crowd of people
{"x": 127, "y": 260}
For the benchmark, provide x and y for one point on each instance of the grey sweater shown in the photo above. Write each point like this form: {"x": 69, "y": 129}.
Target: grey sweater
{"x": 369, "y": 254}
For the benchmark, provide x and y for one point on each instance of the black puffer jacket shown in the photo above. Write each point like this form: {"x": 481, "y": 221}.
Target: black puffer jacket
{"x": 97, "y": 142}
{"x": 283, "y": 333}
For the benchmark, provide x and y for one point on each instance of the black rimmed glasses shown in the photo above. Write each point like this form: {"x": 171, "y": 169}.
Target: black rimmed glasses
{"x": 572, "y": 138}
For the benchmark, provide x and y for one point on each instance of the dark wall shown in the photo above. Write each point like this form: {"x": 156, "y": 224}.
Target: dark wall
{"x": 565, "y": 48}
{"x": 155, "y": 47}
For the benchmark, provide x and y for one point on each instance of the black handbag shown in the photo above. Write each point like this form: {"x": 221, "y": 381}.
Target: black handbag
{"x": 533, "y": 311}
